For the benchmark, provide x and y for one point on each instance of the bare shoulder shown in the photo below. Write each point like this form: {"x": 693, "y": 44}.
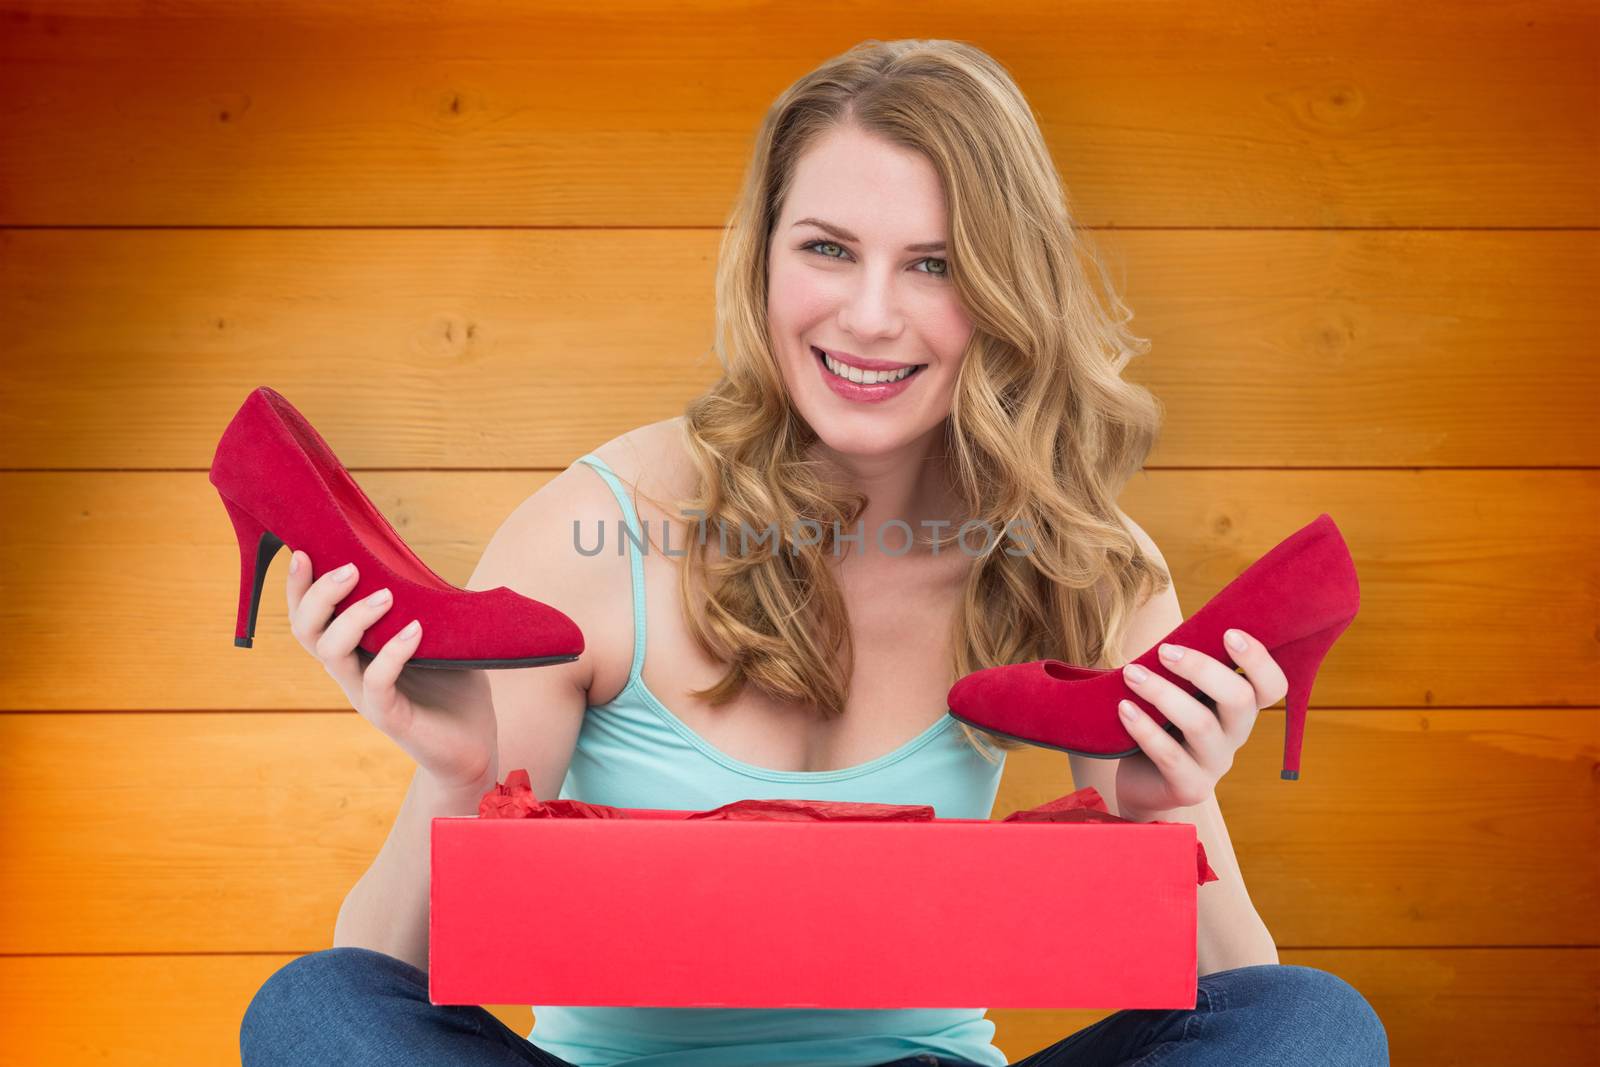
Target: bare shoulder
{"x": 535, "y": 553}
{"x": 654, "y": 451}
{"x": 649, "y": 457}
{"x": 653, "y": 460}
{"x": 1158, "y": 615}
{"x": 1144, "y": 539}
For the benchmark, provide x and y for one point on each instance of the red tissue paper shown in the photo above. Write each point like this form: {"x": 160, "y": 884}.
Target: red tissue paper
{"x": 514, "y": 799}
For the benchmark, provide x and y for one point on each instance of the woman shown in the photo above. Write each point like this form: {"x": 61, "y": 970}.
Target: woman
{"x": 912, "y": 351}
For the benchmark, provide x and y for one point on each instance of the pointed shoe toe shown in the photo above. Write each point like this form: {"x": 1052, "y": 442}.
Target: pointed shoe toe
{"x": 1029, "y": 702}
{"x": 281, "y": 484}
{"x": 498, "y": 627}
{"x": 1296, "y": 600}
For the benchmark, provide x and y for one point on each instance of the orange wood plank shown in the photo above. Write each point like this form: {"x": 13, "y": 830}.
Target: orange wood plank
{"x": 1206, "y": 114}
{"x": 242, "y": 832}
{"x": 526, "y": 349}
{"x": 121, "y": 587}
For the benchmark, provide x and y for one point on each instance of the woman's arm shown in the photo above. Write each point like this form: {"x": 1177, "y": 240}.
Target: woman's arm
{"x": 1231, "y": 933}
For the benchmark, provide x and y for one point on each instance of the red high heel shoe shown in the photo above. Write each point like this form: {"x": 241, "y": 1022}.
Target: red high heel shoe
{"x": 1296, "y": 600}
{"x": 281, "y": 484}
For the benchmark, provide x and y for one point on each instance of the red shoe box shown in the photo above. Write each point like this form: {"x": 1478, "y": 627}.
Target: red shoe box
{"x": 654, "y": 910}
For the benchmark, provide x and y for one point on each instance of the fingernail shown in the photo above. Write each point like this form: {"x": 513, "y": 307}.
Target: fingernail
{"x": 1127, "y": 710}
{"x": 344, "y": 572}
{"x": 1235, "y": 640}
{"x": 1171, "y": 652}
{"x": 410, "y": 630}
{"x": 1136, "y": 673}
{"x": 379, "y": 597}
{"x": 294, "y": 563}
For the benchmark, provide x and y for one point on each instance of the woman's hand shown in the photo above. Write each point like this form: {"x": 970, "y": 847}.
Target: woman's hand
{"x": 1169, "y": 773}
{"x": 444, "y": 719}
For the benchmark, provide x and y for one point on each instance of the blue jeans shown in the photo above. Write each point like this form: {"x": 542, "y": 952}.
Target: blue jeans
{"x": 360, "y": 1008}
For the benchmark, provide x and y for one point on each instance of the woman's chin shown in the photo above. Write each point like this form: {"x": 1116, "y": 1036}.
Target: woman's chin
{"x": 863, "y": 435}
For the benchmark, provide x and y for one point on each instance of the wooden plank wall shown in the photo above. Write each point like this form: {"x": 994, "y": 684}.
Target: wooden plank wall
{"x": 474, "y": 243}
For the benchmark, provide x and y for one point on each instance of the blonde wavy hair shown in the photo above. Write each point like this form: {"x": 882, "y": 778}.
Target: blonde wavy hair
{"x": 1042, "y": 429}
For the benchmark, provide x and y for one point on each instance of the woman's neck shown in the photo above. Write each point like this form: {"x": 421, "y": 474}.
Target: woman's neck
{"x": 910, "y": 485}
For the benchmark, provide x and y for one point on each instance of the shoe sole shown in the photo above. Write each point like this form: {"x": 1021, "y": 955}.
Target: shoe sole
{"x": 483, "y": 664}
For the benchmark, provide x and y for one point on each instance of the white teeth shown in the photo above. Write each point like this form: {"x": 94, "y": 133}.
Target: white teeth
{"x": 864, "y": 377}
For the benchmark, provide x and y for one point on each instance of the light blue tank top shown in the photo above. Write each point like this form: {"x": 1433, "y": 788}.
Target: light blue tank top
{"x": 634, "y": 752}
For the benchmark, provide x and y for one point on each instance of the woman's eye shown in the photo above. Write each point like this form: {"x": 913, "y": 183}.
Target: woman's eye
{"x": 811, "y": 246}
{"x": 825, "y": 244}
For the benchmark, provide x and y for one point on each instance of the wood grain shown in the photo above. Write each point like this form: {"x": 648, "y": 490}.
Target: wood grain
{"x": 291, "y": 113}
{"x": 121, "y": 587}
{"x": 212, "y": 831}
{"x": 515, "y": 348}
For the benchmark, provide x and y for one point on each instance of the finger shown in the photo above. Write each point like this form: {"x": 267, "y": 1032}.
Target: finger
{"x": 378, "y": 695}
{"x": 315, "y": 606}
{"x": 1200, "y": 725}
{"x": 299, "y": 579}
{"x": 1267, "y": 681}
{"x": 1222, "y": 690}
{"x": 1186, "y": 781}
{"x": 341, "y": 636}
{"x": 337, "y": 645}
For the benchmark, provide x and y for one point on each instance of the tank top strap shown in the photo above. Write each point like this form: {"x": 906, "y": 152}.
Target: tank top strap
{"x": 635, "y": 556}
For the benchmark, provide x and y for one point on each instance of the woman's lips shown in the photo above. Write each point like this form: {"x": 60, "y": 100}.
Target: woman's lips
{"x": 849, "y": 390}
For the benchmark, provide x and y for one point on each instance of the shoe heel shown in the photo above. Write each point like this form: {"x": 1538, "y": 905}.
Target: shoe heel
{"x": 1300, "y": 659}
{"x": 257, "y": 546}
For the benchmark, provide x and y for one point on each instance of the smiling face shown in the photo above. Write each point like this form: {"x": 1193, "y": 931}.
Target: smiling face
{"x": 857, "y": 291}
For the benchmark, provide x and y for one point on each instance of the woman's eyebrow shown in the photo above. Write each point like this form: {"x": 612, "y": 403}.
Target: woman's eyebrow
{"x": 841, "y": 232}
